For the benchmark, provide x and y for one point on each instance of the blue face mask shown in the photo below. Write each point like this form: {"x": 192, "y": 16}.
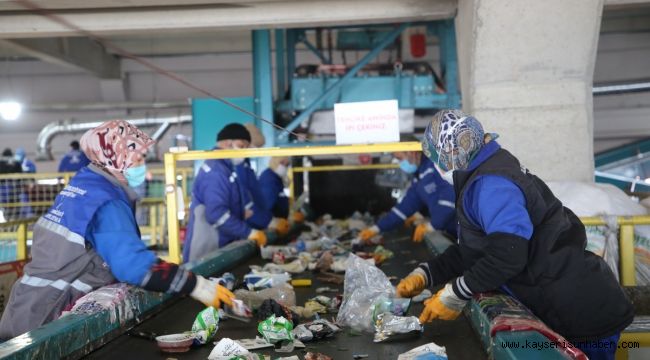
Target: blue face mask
{"x": 407, "y": 167}
{"x": 135, "y": 175}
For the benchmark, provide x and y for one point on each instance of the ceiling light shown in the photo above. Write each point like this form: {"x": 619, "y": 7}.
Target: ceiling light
{"x": 10, "y": 110}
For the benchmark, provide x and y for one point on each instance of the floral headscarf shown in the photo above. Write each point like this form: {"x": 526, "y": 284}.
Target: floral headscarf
{"x": 115, "y": 146}
{"x": 452, "y": 139}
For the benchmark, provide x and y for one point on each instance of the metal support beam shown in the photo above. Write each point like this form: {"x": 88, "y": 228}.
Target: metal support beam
{"x": 387, "y": 40}
{"x": 280, "y": 67}
{"x": 263, "y": 82}
{"x": 292, "y": 39}
{"x": 313, "y": 49}
{"x": 447, "y": 38}
{"x": 80, "y": 53}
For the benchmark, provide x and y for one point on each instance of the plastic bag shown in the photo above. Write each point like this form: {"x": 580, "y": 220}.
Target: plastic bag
{"x": 283, "y": 294}
{"x": 276, "y": 329}
{"x": 364, "y": 284}
{"x": 205, "y": 325}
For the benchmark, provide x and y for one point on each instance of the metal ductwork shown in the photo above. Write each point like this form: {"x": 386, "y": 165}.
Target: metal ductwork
{"x": 621, "y": 88}
{"x": 44, "y": 150}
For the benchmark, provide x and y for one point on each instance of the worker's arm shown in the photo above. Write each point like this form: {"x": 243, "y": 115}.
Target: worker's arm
{"x": 217, "y": 208}
{"x": 405, "y": 208}
{"x": 498, "y": 207}
{"x": 114, "y": 235}
{"x": 63, "y": 164}
{"x": 272, "y": 191}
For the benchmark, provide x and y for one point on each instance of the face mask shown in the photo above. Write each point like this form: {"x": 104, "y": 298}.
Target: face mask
{"x": 447, "y": 176}
{"x": 135, "y": 175}
{"x": 407, "y": 167}
{"x": 281, "y": 170}
{"x": 237, "y": 161}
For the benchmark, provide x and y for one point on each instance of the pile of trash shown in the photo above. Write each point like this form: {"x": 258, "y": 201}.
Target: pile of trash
{"x": 267, "y": 293}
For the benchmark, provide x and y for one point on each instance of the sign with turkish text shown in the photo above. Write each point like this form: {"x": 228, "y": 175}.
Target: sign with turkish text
{"x": 366, "y": 122}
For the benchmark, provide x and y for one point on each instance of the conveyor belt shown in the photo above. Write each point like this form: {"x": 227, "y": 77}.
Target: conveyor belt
{"x": 457, "y": 336}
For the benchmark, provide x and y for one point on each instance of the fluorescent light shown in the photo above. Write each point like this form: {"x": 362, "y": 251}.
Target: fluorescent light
{"x": 10, "y": 110}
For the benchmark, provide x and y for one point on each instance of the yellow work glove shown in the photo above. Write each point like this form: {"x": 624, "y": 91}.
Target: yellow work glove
{"x": 280, "y": 226}
{"x": 258, "y": 236}
{"x": 421, "y": 230}
{"x": 413, "y": 284}
{"x": 211, "y": 293}
{"x": 368, "y": 233}
{"x": 444, "y": 305}
{"x": 298, "y": 217}
{"x": 414, "y": 219}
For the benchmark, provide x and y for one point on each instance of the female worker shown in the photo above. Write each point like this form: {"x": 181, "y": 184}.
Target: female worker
{"x": 89, "y": 238}
{"x": 272, "y": 187}
{"x": 514, "y": 234}
{"x": 428, "y": 190}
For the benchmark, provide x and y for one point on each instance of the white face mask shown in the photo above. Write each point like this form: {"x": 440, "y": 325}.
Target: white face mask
{"x": 237, "y": 161}
{"x": 281, "y": 170}
{"x": 447, "y": 176}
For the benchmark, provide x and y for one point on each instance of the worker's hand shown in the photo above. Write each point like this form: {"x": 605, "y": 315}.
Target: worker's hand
{"x": 414, "y": 219}
{"x": 368, "y": 233}
{"x": 422, "y": 230}
{"x": 298, "y": 217}
{"x": 413, "y": 284}
{"x": 248, "y": 213}
{"x": 444, "y": 305}
{"x": 211, "y": 293}
{"x": 258, "y": 236}
{"x": 280, "y": 226}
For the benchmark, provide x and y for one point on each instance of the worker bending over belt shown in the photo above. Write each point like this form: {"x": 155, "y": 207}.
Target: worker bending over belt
{"x": 514, "y": 234}
{"x": 217, "y": 212}
{"x": 428, "y": 189}
{"x": 89, "y": 238}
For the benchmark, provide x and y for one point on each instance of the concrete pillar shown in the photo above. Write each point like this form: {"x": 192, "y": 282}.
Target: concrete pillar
{"x": 526, "y": 70}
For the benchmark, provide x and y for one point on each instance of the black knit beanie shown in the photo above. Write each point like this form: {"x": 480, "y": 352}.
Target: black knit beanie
{"x": 234, "y": 131}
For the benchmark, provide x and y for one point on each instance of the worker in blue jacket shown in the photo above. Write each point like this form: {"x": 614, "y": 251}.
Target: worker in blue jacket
{"x": 74, "y": 160}
{"x": 272, "y": 186}
{"x": 89, "y": 238}
{"x": 218, "y": 209}
{"x": 515, "y": 235}
{"x": 427, "y": 190}
{"x": 28, "y": 166}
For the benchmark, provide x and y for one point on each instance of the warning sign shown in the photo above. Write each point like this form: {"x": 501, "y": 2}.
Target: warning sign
{"x": 366, "y": 122}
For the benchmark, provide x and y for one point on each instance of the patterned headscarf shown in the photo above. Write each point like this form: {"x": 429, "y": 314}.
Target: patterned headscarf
{"x": 115, "y": 146}
{"x": 452, "y": 139}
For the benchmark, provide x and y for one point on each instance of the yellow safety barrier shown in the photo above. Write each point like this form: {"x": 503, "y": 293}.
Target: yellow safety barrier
{"x": 626, "y": 243}
{"x": 172, "y": 158}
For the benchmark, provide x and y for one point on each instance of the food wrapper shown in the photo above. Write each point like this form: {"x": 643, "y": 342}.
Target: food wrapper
{"x": 320, "y": 329}
{"x": 205, "y": 325}
{"x": 276, "y": 329}
{"x": 388, "y": 326}
{"x": 301, "y": 333}
{"x": 315, "y": 306}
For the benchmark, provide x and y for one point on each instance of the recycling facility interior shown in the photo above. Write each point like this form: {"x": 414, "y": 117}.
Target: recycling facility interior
{"x": 564, "y": 84}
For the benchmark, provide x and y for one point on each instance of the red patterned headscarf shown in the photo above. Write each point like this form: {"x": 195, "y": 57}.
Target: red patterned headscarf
{"x": 115, "y": 146}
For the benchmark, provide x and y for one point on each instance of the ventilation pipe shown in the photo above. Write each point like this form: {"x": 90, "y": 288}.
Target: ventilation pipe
{"x": 51, "y": 130}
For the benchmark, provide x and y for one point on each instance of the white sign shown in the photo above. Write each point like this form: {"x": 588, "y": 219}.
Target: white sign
{"x": 366, "y": 122}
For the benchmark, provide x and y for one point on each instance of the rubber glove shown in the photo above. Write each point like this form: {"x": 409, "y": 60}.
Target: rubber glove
{"x": 210, "y": 293}
{"x": 414, "y": 219}
{"x": 298, "y": 217}
{"x": 366, "y": 234}
{"x": 258, "y": 236}
{"x": 280, "y": 226}
{"x": 444, "y": 305}
{"x": 422, "y": 230}
{"x": 413, "y": 284}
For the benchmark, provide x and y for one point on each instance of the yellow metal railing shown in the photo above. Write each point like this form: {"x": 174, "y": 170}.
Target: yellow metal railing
{"x": 172, "y": 158}
{"x": 625, "y": 243}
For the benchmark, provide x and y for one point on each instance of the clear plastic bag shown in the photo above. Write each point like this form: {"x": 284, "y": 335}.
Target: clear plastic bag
{"x": 283, "y": 294}
{"x": 364, "y": 284}
{"x": 388, "y": 325}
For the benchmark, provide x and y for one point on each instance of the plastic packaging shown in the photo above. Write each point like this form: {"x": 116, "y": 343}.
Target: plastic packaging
{"x": 364, "y": 284}
{"x": 256, "y": 280}
{"x": 276, "y": 329}
{"x": 395, "y": 306}
{"x": 271, "y": 307}
{"x": 205, "y": 325}
{"x": 289, "y": 252}
{"x": 283, "y": 294}
{"x": 430, "y": 351}
{"x": 388, "y": 325}
{"x": 315, "y": 330}
{"x": 227, "y": 280}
